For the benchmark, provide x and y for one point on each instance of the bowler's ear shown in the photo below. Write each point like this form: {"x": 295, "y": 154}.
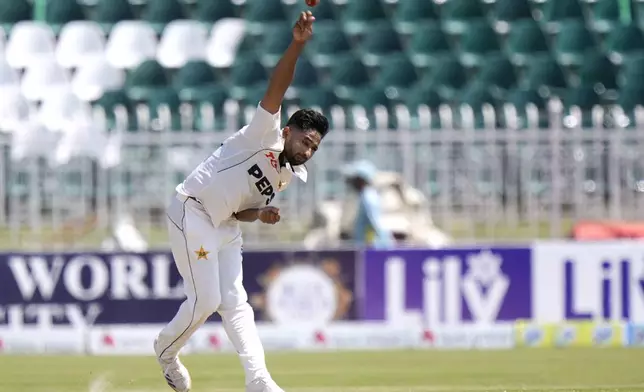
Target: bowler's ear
{"x": 286, "y": 131}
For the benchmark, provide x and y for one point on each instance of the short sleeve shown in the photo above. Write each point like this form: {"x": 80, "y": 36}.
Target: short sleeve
{"x": 264, "y": 128}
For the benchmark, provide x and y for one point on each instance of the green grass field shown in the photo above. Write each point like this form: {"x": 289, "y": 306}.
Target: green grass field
{"x": 396, "y": 371}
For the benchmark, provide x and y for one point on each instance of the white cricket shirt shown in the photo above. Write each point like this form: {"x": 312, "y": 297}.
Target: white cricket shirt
{"x": 244, "y": 172}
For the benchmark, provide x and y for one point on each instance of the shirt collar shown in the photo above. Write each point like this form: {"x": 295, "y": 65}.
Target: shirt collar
{"x": 299, "y": 171}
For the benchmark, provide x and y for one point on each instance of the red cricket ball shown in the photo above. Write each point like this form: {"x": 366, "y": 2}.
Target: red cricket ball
{"x": 312, "y": 3}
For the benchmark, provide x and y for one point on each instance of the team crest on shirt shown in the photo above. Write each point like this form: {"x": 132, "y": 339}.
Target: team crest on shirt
{"x": 201, "y": 253}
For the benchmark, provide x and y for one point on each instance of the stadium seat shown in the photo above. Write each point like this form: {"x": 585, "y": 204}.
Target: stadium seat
{"x": 192, "y": 78}
{"x": 225, "y": 37}
{"x": 526, "y": 42}
{"x": 423, "y": 95}
{"x": 328, "y": 43}
{"x": 246, "y": 73}
{"x": 447, "y": 77}
{"x": 633, "y": 72}
{"x": 9, "y": 78}
{"x": 320, "y": 97}
{"x": 14, "y": 11}
{"x": 14, "y": 110}
{"x": 182, "y": 41}
{"x": 598, "y": 71}
{"x": 115, "y": 101}
{"x": 556, "y": 13}
{"x": 272, "y": 46}
{"x": 93, "y": 78}
{"x": 107, "y": 13}
{"x": 359, "y": 15}
{"x": 261, "y": 15}
{"x": 520, "y": 98}
{"x": 209, "y": 11}
{"x": 478, "y": 41}
{"x": 29, "y": 43}
{"x": 630, "y": 97}
{"x": 44, "y": 78}
{"x": 583, "y": 97}
{"x": 367, "y": 99}
{"x": 146, "y": 80}
{"x": 208, "y": 109}
{"x": 604, "y": 15}
{"x": 572, "y": 44}
{"x": 497, "y": 72}
{"x": 624, "y": 41}
{"x": 544, "y": 73}
{"x": 61, "y": 107}
{"x": 428, "y": 44}
{"x": 80, "y": 42}
{"x": 60, "y": 12}
{"x": 458, "y": 15}
{"x": 395, "y": 75}
{"x": 507, "y": 12}
{"x": 382, "y": 41}
{"x": 413, "y": 14}
{"x": 346, "y": 74}
{"x": 164, "y": 107}
{"x": 159, "y": 13}
{"x": 131, "y": 43}
{"x": 474, "y": 96}
{"x": 306, "y": 75}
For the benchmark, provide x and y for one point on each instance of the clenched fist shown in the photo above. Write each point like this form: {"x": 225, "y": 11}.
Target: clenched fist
{"x": 269, "y": 215}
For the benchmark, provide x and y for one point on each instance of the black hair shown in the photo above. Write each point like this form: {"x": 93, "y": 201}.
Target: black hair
{"x": 305, "y": 119}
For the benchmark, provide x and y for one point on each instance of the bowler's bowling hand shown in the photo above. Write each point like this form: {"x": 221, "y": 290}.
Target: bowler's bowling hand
{"x": 303, "y": 29}
{"x": 269, "y": 215}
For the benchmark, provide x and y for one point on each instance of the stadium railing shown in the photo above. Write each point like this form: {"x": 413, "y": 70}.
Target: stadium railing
{"x": 488, "y": 173}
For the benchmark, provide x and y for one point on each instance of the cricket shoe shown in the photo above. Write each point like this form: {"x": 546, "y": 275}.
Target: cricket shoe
{"x": 263, "y": 385}
{"x": 176, "y": 375}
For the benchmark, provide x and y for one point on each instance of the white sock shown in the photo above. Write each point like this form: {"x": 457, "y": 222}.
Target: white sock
{"x": 239, "y": 324}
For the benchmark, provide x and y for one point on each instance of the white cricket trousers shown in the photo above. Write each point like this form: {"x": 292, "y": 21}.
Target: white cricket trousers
{"x": 212, "y": 283}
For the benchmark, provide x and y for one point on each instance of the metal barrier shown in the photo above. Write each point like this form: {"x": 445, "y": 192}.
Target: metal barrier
{"x": 483, "y": 181}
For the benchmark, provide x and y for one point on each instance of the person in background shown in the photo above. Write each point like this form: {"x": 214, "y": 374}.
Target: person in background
{"x": 369, "y": 229}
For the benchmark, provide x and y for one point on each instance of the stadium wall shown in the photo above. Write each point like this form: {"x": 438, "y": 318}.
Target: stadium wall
{"x": 542, "y": 294}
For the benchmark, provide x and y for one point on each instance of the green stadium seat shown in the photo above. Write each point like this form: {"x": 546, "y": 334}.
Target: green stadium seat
{"x": 359, "y": 15}
{"x": 520, "y": 98}
{"x": 475, "y": 95}
{"x": 261, "y": 15}
{"x": 630, "y": 97}
{"x": 159, "y": 13}
{"x": 560, "y": 11}
{"x": 109, "y": 101}
{"x": 413, "y": 14}
{"x": 428, "y": 44}
{"x": 478, "y": 41}
{"x": 544, "y": 73}
{"x": 507, "y": 12}
{"x": 446, "y": 77}
{"x": 321, "y": 97}
{"x": 604, "y": 15}
{"x": 247, "y": 72}
{"x": 423, "y": 95}
{"x": 14, "y": 11}
{"x": 458, "y": 15}
{"x": 215, "y": 98}
{"x": 109, "y": 12}
{"x": 348, "y": 73}
{"x": 585, "y": 98}
{"x": 208, "y": 11}
{"x": 624, "y": 41}
{"x": 272, "y": 46}
{"x": 498, "y": 72}
{"x": 598, "y": 71}
{"x": 165, "y": 98}
{"x": 526, "y": 42}
{"x": 395, "y": 76}
{"x": 633, "y": 72}
{"x": 145, "y": 80}
{"x": 573, "y": 42}
{"x": 59, "y": 12}
{"x": 382, "y": 41}
{"x": 306, "y": 75}
{"x": 193, "y": 77}
{"x": 328, "y": 43}
{"x": 369, "y": 98}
